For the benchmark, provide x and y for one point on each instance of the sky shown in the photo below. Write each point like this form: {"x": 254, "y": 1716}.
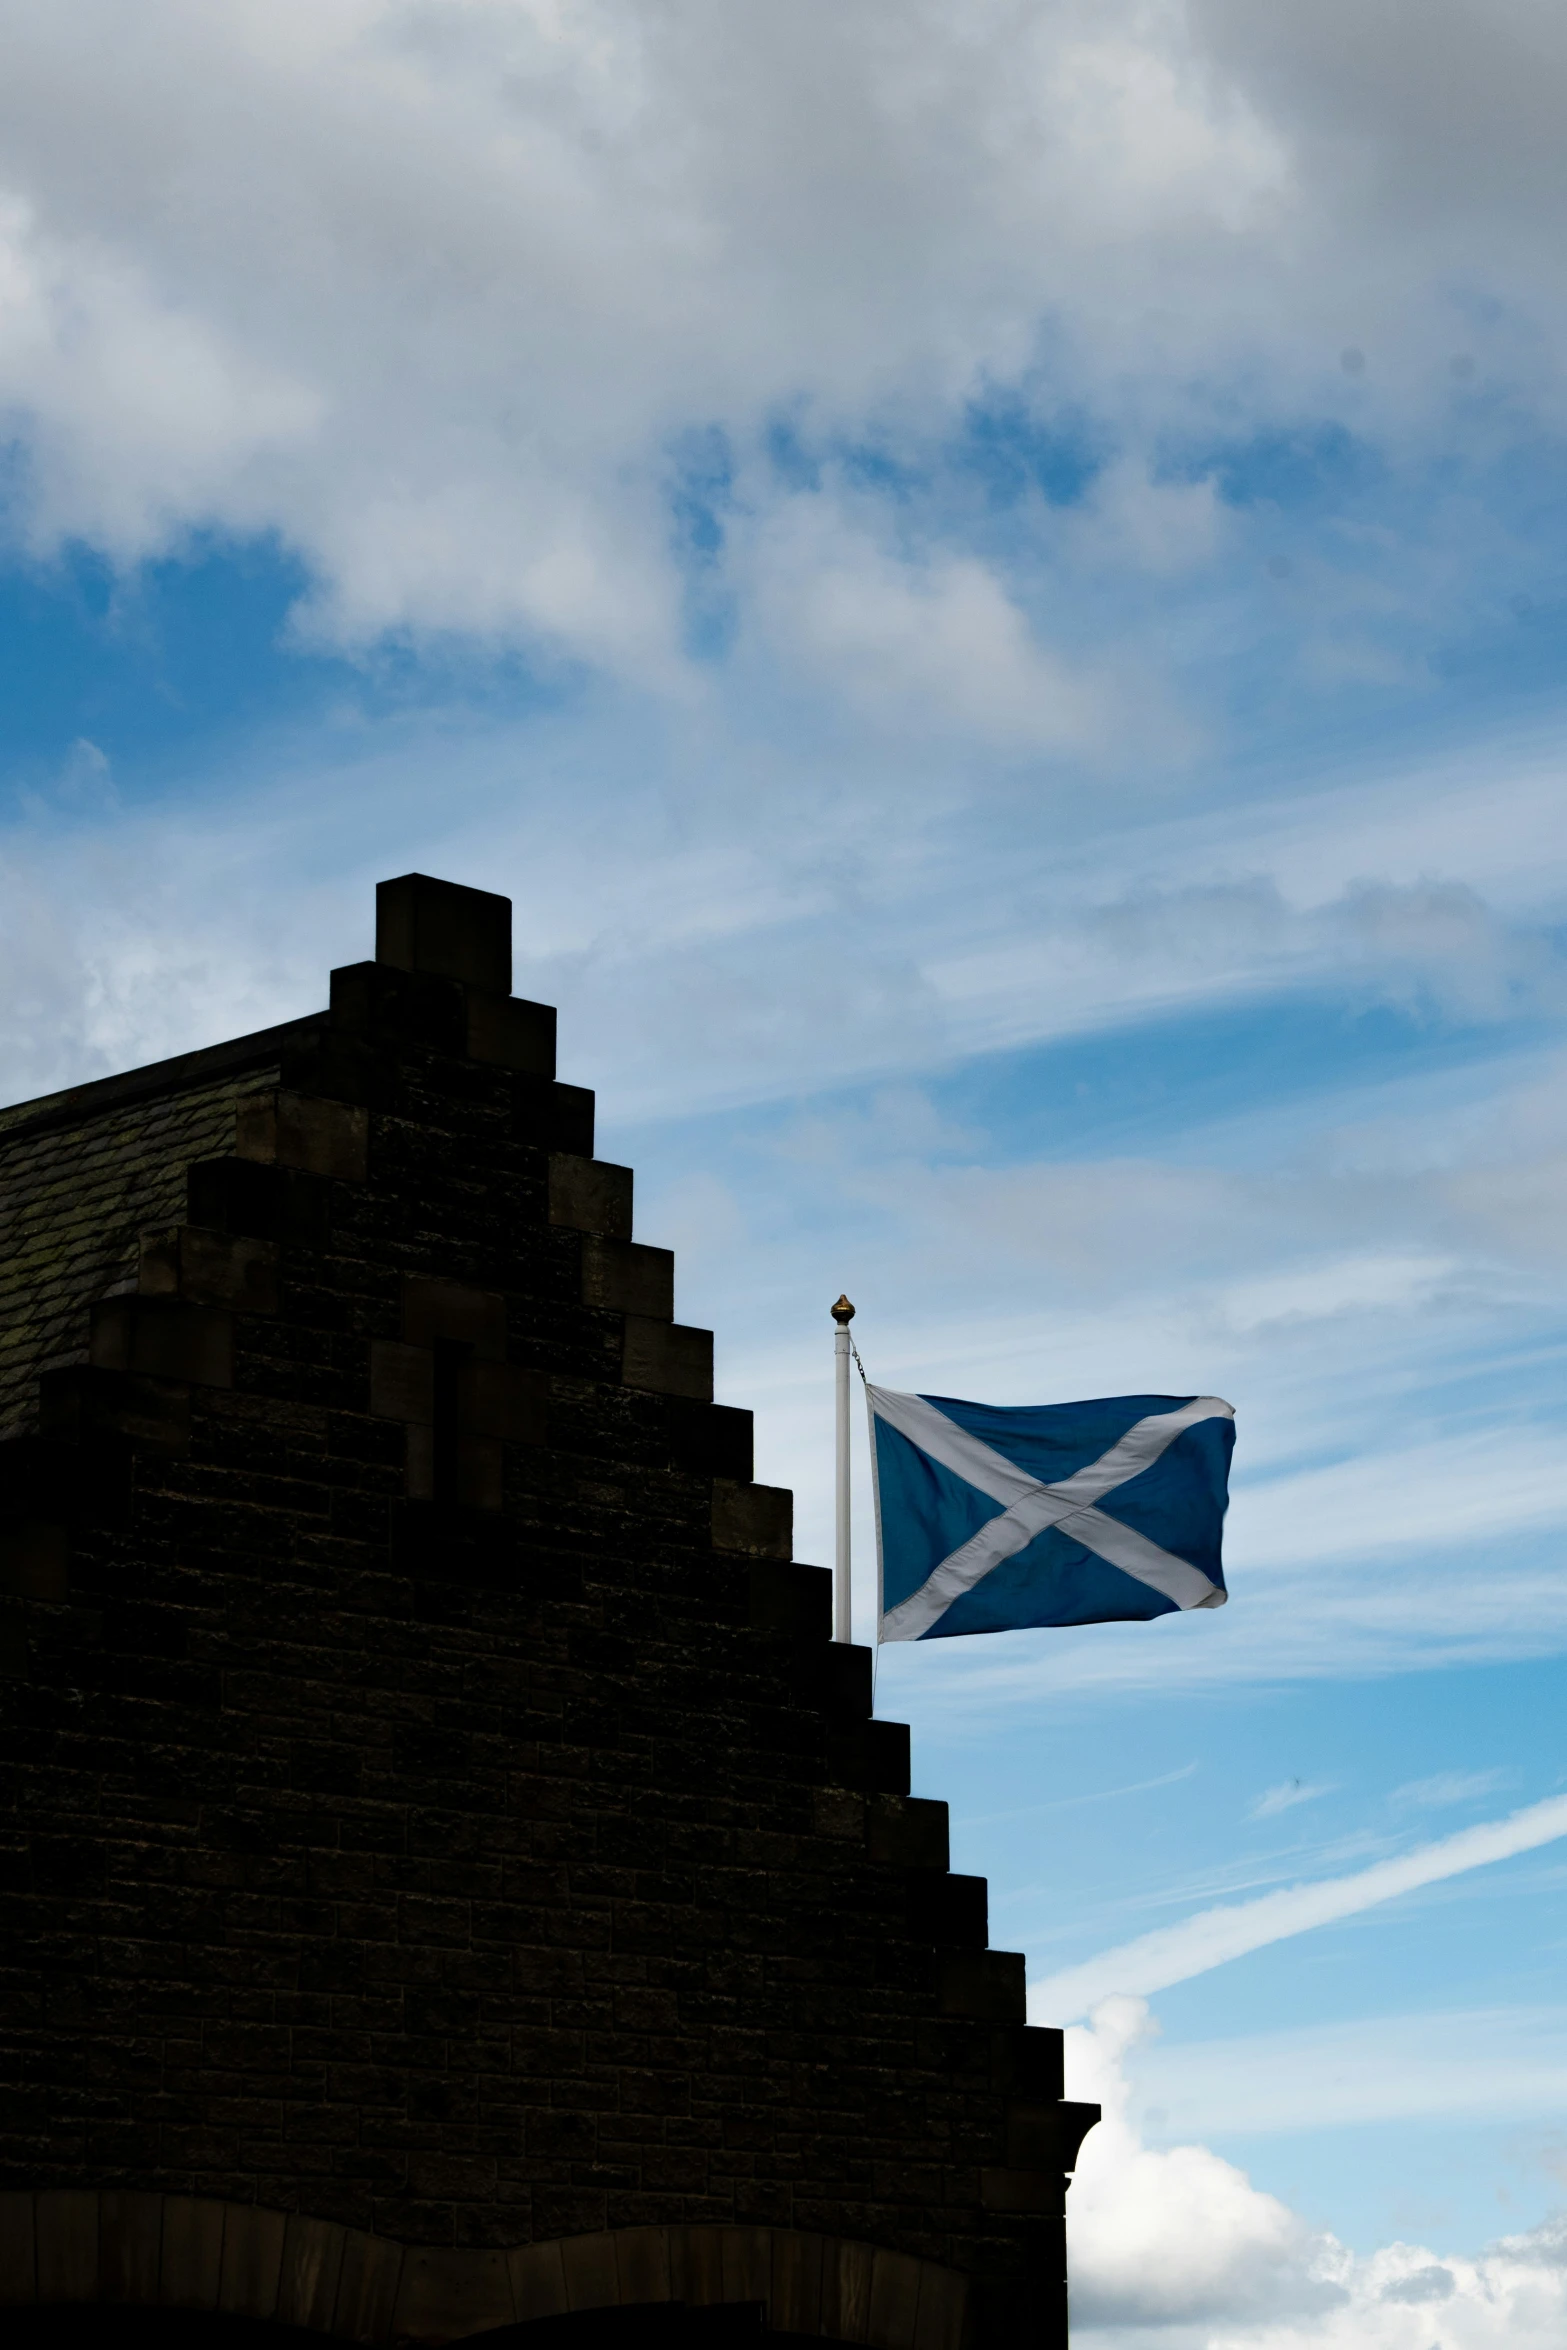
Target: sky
{"x": 991, "y": 581}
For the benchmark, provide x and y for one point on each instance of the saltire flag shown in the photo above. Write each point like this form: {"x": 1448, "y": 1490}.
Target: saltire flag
{"x": 992, "y": 1520}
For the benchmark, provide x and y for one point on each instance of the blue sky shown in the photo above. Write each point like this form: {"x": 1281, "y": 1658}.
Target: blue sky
{"x": 992, "y": 583}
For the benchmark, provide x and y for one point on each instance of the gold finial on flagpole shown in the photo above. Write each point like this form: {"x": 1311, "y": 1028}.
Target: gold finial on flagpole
{"x": 843, "y": 1313}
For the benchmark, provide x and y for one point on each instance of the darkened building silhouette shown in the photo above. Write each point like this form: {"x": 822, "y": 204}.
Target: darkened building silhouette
{"x": 452, "y": 1880}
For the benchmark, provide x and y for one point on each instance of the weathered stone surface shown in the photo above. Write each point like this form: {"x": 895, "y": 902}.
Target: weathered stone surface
{"x": 444, "y": 928}
{"x": 435, "y": 1821}
{"x": 80, "y": 1179}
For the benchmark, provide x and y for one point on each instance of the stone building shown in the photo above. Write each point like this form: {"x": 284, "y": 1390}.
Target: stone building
{"x": 453, "y": 1883}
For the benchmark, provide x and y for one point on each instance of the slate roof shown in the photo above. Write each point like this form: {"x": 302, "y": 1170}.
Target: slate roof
{"x": 84, "y": 1172}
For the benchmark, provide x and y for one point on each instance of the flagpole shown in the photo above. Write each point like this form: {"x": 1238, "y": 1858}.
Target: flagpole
{"x": 843, "y": 1590}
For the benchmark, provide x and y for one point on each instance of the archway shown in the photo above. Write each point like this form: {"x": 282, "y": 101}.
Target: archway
{"x": 80, "y": 2265}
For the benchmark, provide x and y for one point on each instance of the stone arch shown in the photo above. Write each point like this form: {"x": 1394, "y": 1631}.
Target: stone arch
{"x": 108, "y": 2246}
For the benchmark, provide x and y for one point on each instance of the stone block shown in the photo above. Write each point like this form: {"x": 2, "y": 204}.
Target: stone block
{"x": 906, "y": 1832}
{"x": 942, "y": 2323}
{"x": 160, "y": 1338}
{"x": 252, "y": 2263}
{"x": 796, "y": 2304}
{"x": 441, "y": 927}
{"x": 444, "y": 2295}
{"x": 1030, "y": 2308}
{"x": 504, "y": 1400}
{"x": 590, "y": 1195}
{"x": 895, "y": 2300}
{"x": 481, "y": 1473}
{"x": 260, "y": 1200}
{"x": 191, "y": 2267}
{"x": 308, "y": 2273}
{"x": 419, "y": 1463}
{"x": 711, "y": 1440}
{"x": 701, "y": 2267}
{"x": 450, "y": 1311}
{"x": 624, "y": 1277}
{"x": 846, "y": 2291}
{"x": 209, "y": 1268}
{"x": 1077, "y": 2119}
{"x": 402, "y": 1381}
{"x": 35, "y": 1560}
{"x": 988, "y": 1985}
{"x": 334, "y": 1066}
{"x": 441, "y": 1542}
{"x": 1036, "y": 2137}
{"x": 83, "y": 1403}
{"x": 549, "y": 1117}
{"x": 757, "y": 1520}
{"x": 67, "y": 2244}
{"x": 871, "y": 1756}
{"x": 18, "y": 2254}
{"x": 835, "y": 1677}
{"x": 592, "y": 2277}
{"x": 538, "y": 2282}
{"x": 30, "y": 1468}
{"x": 837, "y": 1811}
{"x": 367, "y": 2287}
{"x": 667, "y": 1358}
{"x": 416, "y": 1007}
{"x": 1029, "y": 2064}
{"x": 793, "y": 1600}
{"x": 512, "y": 1033}
{"x": 748, "y": 2265}
{"x": 130, "y": 2246}
{"x": 1021, "y": 2190}
{"x": 642, "y": 2265}
{"x": 949, "y": 1909}
{"x": 301, "y": 1130}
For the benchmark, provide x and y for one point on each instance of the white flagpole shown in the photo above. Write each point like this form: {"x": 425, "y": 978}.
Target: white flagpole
{"x": 843, "y": 1590}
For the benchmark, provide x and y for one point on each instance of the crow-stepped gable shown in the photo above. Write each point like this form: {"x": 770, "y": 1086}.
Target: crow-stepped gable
{"x": 454, "y": 1884}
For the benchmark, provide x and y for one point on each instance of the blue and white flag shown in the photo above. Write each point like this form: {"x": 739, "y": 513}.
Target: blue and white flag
{"x": 991, "y": 1520}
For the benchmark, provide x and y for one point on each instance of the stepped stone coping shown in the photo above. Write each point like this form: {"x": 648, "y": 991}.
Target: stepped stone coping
{"x": 191, "y": 2252}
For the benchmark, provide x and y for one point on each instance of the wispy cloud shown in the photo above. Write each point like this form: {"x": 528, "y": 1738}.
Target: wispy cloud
{"x": 1447, "y": 1787}
{"x": 1493, "y": 2064}
{"x": 1286, "y": 1795}
{"x": 1073, "y": 1802}
{"x": 1175, "y": 1953}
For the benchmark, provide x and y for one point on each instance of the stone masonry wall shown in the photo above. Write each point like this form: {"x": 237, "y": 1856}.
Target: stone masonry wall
{"x": 432, "y": 1801}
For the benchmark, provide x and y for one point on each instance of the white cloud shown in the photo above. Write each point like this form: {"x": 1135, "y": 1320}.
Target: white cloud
{"x": 1159, "y": 527}
{"x": 1173, "y": 2248}
{"x": 917, "y": 643}
{"x": 1285, "y": 1797}
{"x": 1160, "y": 2237}
{"x": 1173, "y": 1954}
{"x": 436, "y": 293}
{"x": 1074, "y": 1802}
{"x": 745, "y": 924}
{"x": 139, "y": 414}
{"x": 1447, "y": 1787}
{"x": 1469, "y": 1488}
{"x": 1432, "y": 946}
